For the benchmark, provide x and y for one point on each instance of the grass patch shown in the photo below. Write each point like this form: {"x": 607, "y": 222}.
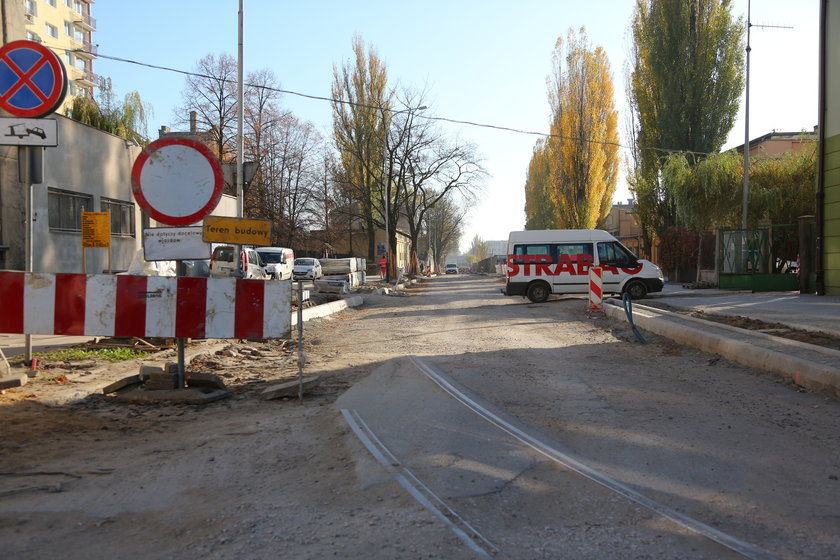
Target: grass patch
{"x": 109, "y": 354}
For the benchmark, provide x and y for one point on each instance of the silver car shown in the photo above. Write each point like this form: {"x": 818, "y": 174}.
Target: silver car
{"x": 307, "y": 269}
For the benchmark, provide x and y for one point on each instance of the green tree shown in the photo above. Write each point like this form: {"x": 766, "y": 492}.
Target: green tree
{"x": 128, "y": 119}
{"x": 478, "y": 249}
{"x": 783, "y": 188}
{"x": 360, "y": 91}
{"x": 583, "y": 146}
{"x": 685, "y": 84}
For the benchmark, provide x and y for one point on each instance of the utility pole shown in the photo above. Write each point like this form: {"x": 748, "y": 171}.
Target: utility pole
{"x": 746, "y": 195}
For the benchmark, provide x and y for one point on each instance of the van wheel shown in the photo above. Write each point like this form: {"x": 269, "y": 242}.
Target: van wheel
{"x": 538, "y": 292}
{"x": 636, "y": 289}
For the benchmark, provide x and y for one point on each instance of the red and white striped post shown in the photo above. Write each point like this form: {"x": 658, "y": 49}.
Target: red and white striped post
{"x": 595, "y": 290}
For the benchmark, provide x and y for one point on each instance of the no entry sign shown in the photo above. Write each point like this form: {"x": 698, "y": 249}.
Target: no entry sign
{"x": 33, "y": 80}
{"x": 177, "y": 181}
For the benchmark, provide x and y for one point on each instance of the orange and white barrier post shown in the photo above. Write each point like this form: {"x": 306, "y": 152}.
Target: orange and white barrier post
{"x": 595, "y": 289}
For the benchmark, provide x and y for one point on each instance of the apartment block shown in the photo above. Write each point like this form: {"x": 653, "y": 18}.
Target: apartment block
{"x": 66, "y": 27}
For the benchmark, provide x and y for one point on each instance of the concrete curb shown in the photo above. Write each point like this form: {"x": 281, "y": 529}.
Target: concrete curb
{"x": 328, "y": 308}
{"x": 803, "y": 372}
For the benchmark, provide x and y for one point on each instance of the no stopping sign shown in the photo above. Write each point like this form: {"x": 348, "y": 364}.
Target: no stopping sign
{"x": 177, "y": 181}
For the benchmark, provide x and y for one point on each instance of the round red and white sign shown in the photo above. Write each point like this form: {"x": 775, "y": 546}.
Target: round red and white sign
{"x": 177, "y": 181}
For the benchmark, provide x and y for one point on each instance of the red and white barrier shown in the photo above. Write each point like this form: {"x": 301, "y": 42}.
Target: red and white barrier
{"x": 143, "y": 306}
{"x": 596, "y": 289}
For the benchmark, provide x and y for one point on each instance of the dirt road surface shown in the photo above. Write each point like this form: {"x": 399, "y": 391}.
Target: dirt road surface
{"x": 82, "y": 476}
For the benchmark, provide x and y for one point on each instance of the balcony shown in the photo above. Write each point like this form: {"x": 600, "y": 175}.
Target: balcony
{"x": 88, "y": 79}
{"x": 88, "y": 50}
{"x": 85, "y": 22}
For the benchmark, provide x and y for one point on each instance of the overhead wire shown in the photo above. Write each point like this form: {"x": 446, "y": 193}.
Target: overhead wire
{"x": 418, "y": 115}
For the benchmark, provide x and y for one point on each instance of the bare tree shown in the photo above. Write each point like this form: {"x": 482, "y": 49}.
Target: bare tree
{"x": 210, "y": 91}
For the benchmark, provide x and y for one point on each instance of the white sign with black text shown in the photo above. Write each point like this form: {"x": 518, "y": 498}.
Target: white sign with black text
{"x": 16, "y": 131}
{"x": 174, "y": 243}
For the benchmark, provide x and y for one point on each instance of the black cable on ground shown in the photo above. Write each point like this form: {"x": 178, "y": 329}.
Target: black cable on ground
{"x": 628, "y": 310}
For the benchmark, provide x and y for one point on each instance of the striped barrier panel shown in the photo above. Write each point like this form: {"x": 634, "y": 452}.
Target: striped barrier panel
{"x": 596, "y": 291}
{"x": 143, "y": 306}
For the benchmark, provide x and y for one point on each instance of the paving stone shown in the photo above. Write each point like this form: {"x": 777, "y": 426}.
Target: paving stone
{"x": 290, "y": 388}
{"x": 122, "y": 384}
{"x": 11, "y": 381}
{"x": 186, "y": 396}
{"x": 197, "y": 379}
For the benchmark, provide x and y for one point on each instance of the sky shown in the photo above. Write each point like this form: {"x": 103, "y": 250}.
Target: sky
{"x": 481, "y": 61}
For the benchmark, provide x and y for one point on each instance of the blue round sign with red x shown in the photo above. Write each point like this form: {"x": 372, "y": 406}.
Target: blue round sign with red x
{"x": 33, "y": 80}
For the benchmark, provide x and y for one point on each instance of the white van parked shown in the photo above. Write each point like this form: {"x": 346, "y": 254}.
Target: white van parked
{"x": 222, "y": 263}
{"x": 278, "y": 261}
{"x": 557, "y": 261}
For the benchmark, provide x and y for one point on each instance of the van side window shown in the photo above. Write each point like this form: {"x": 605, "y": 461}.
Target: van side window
{"x": 611, "y": 253}
{"x": 553, "y": 250}
{"x": 573, "y": 249}
{"x": 535, "y": 249}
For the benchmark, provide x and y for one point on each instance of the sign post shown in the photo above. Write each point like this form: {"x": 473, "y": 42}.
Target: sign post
{"x": 177, "y": 181}
{"x": 33, "y": 83}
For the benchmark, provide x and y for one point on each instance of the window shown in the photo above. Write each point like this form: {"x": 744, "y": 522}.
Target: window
{"x": 52, "y": 3}
{"x": 52, "y": 30}
{"x": 77, "y": 7}
{"x": 80, "y": 64}
{"x": 68, "y": 3}
{"x": 69, "y": 28}
{"x": 65, "y": 209}
{"x": 69, "y": 58}
{"x": 552, "y": 250}
{"x": 122, "y": 216}
{"x": 79, "y": 35}
{"x": 616, "y": 254}
{"x": 31, "y": 8}
{"x": 33, "y": 37}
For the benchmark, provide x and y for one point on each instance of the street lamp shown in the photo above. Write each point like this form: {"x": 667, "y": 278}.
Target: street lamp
{"x": 388, "y": 204}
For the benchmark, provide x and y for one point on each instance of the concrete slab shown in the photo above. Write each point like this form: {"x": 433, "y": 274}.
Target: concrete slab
{"x": 183, "y": 396}
{"x": 12, "y": 381}
{"x": 445, "y": 444}
{"x": 291, "y": 388}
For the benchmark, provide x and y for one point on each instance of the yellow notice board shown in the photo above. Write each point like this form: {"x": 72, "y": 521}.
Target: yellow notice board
{"x": 96, "y": 229}
{"x": 239, "y": 231}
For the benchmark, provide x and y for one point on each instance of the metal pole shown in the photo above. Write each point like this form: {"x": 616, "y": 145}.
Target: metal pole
{"x": 746, "y": 198}
{"x": 25, "y": 152}
{"x": 240, "y": 149}
{"x": 387, "y": 237}
{"x": 180, "y": 270}
{"x": 300, "y": 341}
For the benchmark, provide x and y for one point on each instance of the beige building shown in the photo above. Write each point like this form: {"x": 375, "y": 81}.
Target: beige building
{"x": 65, "y": 26}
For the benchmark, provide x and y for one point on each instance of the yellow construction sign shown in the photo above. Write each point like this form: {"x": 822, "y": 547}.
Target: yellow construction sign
{"x": 96, "y": 229}
{"x": 238, "y": 231}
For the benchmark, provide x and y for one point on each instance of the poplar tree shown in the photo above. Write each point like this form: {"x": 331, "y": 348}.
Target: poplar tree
{"x": 583, "y": 146}
{"x": 540, "y": 212}
{"x": 685, "y": 84}
{"x": 360, "y": 94}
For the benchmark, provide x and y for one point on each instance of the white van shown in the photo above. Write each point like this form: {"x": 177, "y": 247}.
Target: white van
{"x": 222, "y": 263}
{"x": 278, "y": 261}
{"x": 557, "y": 261}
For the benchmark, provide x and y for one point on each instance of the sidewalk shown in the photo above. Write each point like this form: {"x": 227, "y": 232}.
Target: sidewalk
{"x": 801, "y": 311}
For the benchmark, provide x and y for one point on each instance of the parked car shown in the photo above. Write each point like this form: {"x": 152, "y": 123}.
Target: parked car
{"x": 222, "y": 265}
{"x": 451, "y": 268}
{"x": 307, "y": 269}
{"x": 278, "y": 261}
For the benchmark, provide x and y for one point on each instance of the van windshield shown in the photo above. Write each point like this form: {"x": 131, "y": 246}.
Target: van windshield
{"x": 615, "y": 254}
{"x": 224, "y": 253}
{"x": 270, "y": 258}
